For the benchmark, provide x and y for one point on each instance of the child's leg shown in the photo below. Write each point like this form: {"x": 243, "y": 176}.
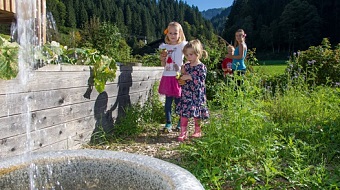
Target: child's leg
{"x": 178, "y": 127}
{"x": 197, "y": 133}
{"x": 167, "y": 110}
{"x": 183, "y": 135}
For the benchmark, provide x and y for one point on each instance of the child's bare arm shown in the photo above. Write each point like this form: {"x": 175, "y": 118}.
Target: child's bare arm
{"x": 162, "y": 57}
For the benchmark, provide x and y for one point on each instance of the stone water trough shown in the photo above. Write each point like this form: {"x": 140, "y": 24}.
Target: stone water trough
{"x": 93, "y": 169}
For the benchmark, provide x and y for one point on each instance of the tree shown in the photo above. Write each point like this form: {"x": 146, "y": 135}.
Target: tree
{"x": 58, "y": 10}
{"x": 71, "y": 15}
{"x": 83, "y": 15}
{"x": 301, "y": 22}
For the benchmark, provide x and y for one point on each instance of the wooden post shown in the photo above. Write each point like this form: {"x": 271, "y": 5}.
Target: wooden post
{"x": 44, "y": 21}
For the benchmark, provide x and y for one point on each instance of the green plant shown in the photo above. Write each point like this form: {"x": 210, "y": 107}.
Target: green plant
{"x": 8, "y": 59}
{"x": 103, "y": 67}
{"x": 251, "y": 59}
{"x": 128, "y": 125}
{"x": 320, "y": 65}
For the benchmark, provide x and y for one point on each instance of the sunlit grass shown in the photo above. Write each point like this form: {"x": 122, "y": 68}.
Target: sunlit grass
{"x": 261, "y": 138}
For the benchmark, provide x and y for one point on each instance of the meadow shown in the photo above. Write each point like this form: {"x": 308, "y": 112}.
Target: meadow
{"x": 279, "y": 131}
{"x": 271, "y": 67}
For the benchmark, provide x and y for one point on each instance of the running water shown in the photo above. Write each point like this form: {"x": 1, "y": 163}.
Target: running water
{"x": 27, "y": 39}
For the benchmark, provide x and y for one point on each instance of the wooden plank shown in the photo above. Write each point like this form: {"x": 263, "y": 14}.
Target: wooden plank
{"x": 45, "y": 118}
{"x": 14, "y": 103}
{"x": 74, "y": 133}
{"x": 44, "y": 80}
{"x": 59, "y": 115}
{"x": 7, "y": 5}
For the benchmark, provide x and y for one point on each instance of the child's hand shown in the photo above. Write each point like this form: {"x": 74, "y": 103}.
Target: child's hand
{"x": 176, "y": 67}
{"x": 181, "y": 82}
{"x": 163, "y": 54}
{"x": 186, "y": 77}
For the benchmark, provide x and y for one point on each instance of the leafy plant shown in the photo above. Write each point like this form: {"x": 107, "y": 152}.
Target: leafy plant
{"x": 320, "y": 65}
{"x": 104, "y": 68}
{"x": 8, "y": 59}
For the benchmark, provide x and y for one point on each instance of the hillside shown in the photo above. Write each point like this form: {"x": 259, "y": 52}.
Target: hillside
{"x": 210, "y": 13}
{"x": 219, "y": 20}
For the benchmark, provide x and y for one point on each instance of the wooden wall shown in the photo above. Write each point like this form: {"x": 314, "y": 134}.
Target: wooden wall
{"x": 51, "y": 112}
{"x": 7, "y": 5}
{"x": 7, "y": 11}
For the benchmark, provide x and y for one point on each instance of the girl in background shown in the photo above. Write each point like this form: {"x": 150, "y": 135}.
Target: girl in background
{"x": 171, "y": 57}
{"x": 193, "y": 99}
{"x": 238, "y": 66}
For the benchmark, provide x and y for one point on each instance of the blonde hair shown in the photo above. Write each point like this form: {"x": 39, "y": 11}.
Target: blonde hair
{"x": 230, "y": 47}
{"x": 244, "y": 35}
{"x": 197, "y": 46}
{"x": 180, "y": 29}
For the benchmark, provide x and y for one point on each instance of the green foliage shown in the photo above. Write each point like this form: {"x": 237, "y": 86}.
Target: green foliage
{"x": 319, "y": 65}
{"x": 129, "y": 125}
{"x": 137, "y": 20}
{"x": 103, "y": 67}
{"x": 137, "y": 117}
{"x": 151, "y": 60}
{"x": 283, "y": 26}
{"x": 153, "y": 109}
{"x": 271, "y": 70}
{"x": 8, "y": 59}
{"x": 251, "y": 59}
{"x": 216, "y": 49}
{"x": 259, "y": 140}
{"x": 106, "y": 38}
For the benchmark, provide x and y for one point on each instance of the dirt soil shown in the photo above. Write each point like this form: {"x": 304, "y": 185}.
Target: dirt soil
{"x": 154, "y": 143}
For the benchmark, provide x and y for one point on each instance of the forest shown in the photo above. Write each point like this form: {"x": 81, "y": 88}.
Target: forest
{"x": 138, "y": 21}
{"x": 285, "y": 25}
{"x": 275, "y": 27}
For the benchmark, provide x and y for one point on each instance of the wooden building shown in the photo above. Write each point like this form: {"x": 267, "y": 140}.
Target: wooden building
{"x": 8, "y": 10}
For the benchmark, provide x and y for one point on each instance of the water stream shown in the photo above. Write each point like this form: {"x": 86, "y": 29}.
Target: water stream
{"x": 26, "y": 35}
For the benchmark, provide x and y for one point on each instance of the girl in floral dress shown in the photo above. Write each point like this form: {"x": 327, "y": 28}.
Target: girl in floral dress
{"x": 193, "y": 102}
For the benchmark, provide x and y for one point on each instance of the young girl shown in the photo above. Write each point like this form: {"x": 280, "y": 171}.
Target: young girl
{"x": 193, "y": 98}
{"x": 240, "y": 53}
{"x": 172, "y": 59}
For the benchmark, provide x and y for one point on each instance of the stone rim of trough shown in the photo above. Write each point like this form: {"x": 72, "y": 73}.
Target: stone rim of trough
{"x": 178, "y": 176}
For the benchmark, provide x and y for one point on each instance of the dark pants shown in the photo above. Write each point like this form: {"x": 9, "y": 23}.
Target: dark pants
{"x": 239, "y": 80}
{"x": 168, "y": 106}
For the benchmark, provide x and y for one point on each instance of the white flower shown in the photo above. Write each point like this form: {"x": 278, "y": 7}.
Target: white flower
{"x": 55, "y": 44}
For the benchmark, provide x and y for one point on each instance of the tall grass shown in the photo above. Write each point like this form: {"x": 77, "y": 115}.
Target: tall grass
{"x": 258, "y": 137}
{"x": 258, "y": 140}
{"x": 273, "y": 133}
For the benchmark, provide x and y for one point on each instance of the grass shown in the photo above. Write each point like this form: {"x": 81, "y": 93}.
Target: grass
{"x": 271, "y": 67}
{"x": 286, "y": 141}
{"x": 261, "y": 138}
{"x": 272, "y": 62}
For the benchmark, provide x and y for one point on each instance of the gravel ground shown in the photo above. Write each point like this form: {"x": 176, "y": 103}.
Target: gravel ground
{"x": 154, "y": 143}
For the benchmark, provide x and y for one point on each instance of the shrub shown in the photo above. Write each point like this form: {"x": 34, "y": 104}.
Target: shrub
{"x": 319, "y": 65}
{"x": 8, "y": 59}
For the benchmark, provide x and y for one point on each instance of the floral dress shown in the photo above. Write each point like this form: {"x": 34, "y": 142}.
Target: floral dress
{"x": 193, "y": 101}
